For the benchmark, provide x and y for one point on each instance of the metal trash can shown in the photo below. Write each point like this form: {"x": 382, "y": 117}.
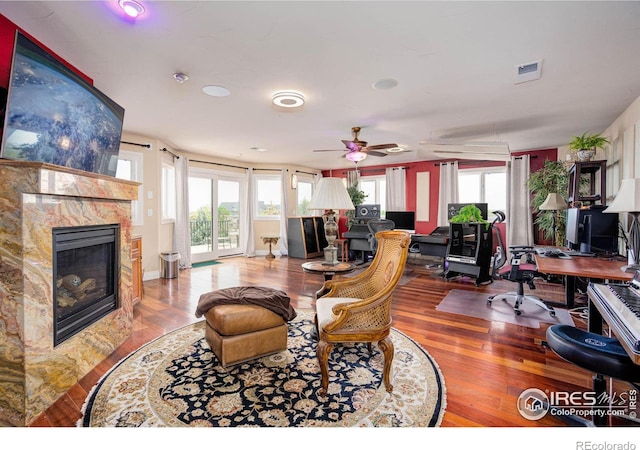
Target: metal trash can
{"x": 169, "y": 264}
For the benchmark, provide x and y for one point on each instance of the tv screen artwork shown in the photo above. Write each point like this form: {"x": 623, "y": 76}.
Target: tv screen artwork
{"x": 54, "y": 116}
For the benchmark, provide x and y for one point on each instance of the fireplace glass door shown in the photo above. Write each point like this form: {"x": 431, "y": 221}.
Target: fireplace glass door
{"x": 85, "y": 273}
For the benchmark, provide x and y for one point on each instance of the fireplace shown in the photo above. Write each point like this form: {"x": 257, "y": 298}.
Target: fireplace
{"x": 50, "y": 339}
{"x": 85, "y": 270}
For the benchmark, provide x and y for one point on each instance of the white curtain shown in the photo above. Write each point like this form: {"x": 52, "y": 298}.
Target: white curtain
{"x": 247, "y": 226}
{"x": 396, "y": 194}
{"x": 284, "y": 213}
{"x": 448, "y": 190}
{"x": 519, "y": 220}
{"x": 353, "y": 177}
{"x": 181, "y": 232}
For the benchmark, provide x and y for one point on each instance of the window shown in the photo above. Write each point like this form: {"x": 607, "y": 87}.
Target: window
{"x": 168, "y": 192}
{"x": 130, "y": 168}
{"x": 375, "y": 189}
{"x": 268, "y": 197}
{"x": 304, "y": 193}
{"x": 485, "y": 185}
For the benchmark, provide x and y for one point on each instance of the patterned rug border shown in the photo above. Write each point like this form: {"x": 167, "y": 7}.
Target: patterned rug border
{"x": 440, "y": 403}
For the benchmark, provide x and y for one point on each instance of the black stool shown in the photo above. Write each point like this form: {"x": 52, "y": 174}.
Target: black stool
{"x": 602, "y": 355}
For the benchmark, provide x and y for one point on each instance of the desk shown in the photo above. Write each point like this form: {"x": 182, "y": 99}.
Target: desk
{"x": 270, "y": 239}
{"x": 582, "y": 266}
{"x": 327, "y": 270}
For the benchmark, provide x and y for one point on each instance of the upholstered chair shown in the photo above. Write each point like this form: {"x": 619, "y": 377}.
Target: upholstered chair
{"x": 358, "y": 308}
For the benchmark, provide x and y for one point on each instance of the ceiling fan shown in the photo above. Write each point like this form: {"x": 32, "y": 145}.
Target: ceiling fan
{"x": 357, "y": 150}
{"x": 486, "y": 150}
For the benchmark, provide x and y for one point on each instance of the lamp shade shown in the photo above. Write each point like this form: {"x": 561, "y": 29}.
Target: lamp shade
{"x": 331, "y": 194}
{"x": 628, "y": 197}
{"x": 553, "y": 202}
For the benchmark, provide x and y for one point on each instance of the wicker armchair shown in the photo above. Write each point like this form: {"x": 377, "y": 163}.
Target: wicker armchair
{"x": 358, "y": 309}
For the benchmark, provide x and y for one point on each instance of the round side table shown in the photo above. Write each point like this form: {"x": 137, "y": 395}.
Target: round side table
{"x": 327, "y": 270}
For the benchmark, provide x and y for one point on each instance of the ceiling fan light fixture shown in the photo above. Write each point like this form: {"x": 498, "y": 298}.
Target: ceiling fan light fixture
{"x": 288, "y": 99}
{"x": 356, "y": 156}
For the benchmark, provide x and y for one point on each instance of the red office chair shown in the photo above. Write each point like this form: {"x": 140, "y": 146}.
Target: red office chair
{"x": 521, "y": 269}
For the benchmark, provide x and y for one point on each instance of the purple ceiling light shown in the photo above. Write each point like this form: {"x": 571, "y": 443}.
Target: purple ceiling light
{"x": 131, "y": 8}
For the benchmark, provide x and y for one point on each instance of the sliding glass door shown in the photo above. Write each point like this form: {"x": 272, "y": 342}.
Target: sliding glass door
{"x": 214, "y": 214}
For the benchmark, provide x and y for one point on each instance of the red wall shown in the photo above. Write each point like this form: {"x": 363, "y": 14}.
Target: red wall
{"x": 7, "y": 40}
{"x": 538, "y": 158}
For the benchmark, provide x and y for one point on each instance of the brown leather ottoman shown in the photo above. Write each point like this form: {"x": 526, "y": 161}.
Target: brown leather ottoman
{"x": 237, "y": 333}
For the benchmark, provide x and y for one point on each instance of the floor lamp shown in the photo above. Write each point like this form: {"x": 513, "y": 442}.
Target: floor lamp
{"x": 628, "y": 201}
{"x": 554, "y": 203}
{"x": 330, "y": 194}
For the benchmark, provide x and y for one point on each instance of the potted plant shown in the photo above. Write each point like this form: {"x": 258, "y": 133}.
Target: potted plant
{"x": 357, "y": 197}
{"x": 469, "y": 214}
{"x": 585, "y": 146}
{"x": 552, "y": 177}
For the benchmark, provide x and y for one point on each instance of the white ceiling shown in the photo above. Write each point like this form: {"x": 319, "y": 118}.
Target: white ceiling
{"x": 454, "y": 63}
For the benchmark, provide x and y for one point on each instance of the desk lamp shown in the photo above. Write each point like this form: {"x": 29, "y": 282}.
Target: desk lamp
{"x": 330, "y": 194}
{"x": 554, "y": 202}
{"x": 628, "y": 201}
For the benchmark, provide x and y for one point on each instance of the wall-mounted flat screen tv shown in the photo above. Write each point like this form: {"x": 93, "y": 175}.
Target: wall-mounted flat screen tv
{"x": 54, "y": 116}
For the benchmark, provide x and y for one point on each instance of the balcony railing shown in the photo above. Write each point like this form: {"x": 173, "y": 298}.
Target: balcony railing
{"x": 201, "y": 230}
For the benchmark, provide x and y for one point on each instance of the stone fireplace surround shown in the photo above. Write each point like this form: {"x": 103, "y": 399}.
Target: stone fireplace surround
{"x": 34, "y": 198}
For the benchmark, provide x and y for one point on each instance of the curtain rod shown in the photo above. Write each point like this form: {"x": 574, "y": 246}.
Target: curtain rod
{"x": 306, "y": 173}
{"x": 229, "y": 165}
{"x": 379, "y": 169}
{"x": 135, "y": 143}
{"x": 466, "y": 161}
{"x": 169, "y": 152}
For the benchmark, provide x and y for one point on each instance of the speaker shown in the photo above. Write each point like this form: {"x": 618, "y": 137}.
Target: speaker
{"x": 367, "y": 212}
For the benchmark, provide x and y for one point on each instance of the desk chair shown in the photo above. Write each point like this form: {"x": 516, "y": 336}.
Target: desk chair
{"x": 521, "y": 269}
{"x": 375, "y": 226}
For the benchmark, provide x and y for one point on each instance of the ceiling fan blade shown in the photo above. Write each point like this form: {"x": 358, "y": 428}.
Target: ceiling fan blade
{"x": 381, "y": 146}
{"x": 375, "y": 153}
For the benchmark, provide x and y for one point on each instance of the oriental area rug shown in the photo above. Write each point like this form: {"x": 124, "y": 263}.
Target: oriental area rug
{"x": 176, "y": 381}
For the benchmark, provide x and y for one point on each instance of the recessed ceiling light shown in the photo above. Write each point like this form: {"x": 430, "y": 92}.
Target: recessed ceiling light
{"x": 385, "y": 84}
{"x": 288, "y": 99}
{"x": 395, "y": 150}
{"x": 180, "y": 77}
{"x": 216, "y": 91}
{"x": 259, "y": 149}
{"x": 131, "y": 8}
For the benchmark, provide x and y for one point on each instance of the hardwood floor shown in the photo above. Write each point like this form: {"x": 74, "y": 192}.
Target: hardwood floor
{"x": 486, "y": 365}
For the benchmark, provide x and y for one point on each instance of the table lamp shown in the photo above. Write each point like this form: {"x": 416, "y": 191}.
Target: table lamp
{"x": 554, "y": 202}
{"x": 628, "y": 201}
{"x": 330, "y": 194}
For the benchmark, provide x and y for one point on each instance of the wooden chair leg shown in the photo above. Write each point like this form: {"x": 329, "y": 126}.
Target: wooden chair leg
{"x": 386, "y": 345}
{"x": 323, "y": 350}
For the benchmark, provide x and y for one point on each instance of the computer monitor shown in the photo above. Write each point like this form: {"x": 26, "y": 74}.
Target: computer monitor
{"x": 454, "y": 208}
{"x": 592, "y": 230}
{"x": 404, "y": 220}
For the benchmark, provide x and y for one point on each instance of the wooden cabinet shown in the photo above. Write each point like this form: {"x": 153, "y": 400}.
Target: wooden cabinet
{"x": 306, "y": 237}
{"x": 136, "y": 269}
{"x": 592, "y": 177}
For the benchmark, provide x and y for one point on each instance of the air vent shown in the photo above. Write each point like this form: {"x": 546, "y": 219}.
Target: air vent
{"x": 527, "y": 72}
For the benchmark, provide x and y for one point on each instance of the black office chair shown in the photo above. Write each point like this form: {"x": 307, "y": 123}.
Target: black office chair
{"x": 520, "y": 269}
{"x": 376, "y": 225}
